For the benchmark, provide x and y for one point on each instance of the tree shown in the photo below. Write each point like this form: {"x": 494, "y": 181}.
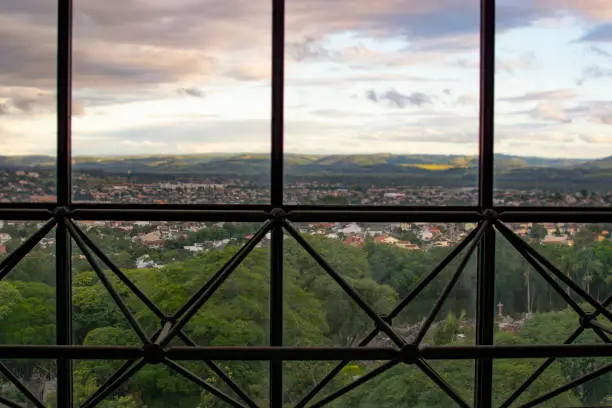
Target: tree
{"x": 538, "y": 232}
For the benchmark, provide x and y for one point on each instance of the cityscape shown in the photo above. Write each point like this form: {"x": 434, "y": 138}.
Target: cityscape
{"x": 383, "y": 261}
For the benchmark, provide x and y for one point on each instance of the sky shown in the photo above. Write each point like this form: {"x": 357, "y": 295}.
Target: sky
{"x": 362, "y": 76}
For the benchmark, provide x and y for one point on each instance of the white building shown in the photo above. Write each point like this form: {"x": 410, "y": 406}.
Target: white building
{"x": 350, "y": 229}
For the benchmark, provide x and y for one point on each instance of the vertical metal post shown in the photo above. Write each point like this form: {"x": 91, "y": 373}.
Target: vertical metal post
{"x": 64, "y": 193}
{"x": 486, "y": 251}
{"x": 277, "y": 164}
{"x": 278, "y": 120}
{"x": 487, "y": 100}
{"x": 276, "y": 315}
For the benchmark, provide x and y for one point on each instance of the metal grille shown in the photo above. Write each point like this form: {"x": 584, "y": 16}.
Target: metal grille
{"x": 278, "y": 219}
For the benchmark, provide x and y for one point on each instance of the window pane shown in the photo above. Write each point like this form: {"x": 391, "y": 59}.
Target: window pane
{"x": 553, "y": 113}
{"x": 383, "y": 263}
{"x": 581, "y": 252}
{"x": 170, "y": 262}
{"x": 27, "y": 309}
{"x": 510, "y": 374}
{"x": 179, "y": 111}
{"x": 381, "y": 102}
{"x": 27, "y": 100}
{"x": 530, "y": 311}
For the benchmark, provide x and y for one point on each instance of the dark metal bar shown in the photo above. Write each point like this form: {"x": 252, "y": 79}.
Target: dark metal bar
{"x": 112, "y": 386}
{"x": 120, "y": 372}
{"x": 348, "y": 289}
{"x": 549, "y": 361}
{"x": 276, "y": 313}
{"x": 590, "y": 376}
{"x": 602, "y": 327}
{"x": 257, "y": 213}
{"x": 333, "y": 373}
{"x": 24, "y": 214}
{"x": 439, "y": 381}
{"x": 96, "y": 207}
{"x": 125, "y": 310}
{"x": 487, "y": 104}
{"x": 193, "y": 299}
{"x": 267, "y": 353}
{"x": 601, "y": 334}
{"x": 63, "y": 292}
{"x": 64, "y": 102}
{"x": 223, "y": 274}
{"x": 8, "y": 263}
{"x": 422, "y": 284}
{"x": 69, "y": 352}
{"x": 550, "y": 215}
{"x": 431, "y": 276}
{"x": 163, "y": 332}
{"x": 362, "y": 380}
{"x": 278, "y": 104}
{"x": 119, "y": 214}
{"x": 549, "y": 279}
{"x": 377, "y": 215}
{"x": 64, "y": 195}
{"x": 562, "y": 209}
{"x": 523, "y": 248}
{"x": 220, "y": 373}
{"x": 451, "y": 284}
{"x": 10, "y": 403}
{"x": 20, "y": 386}
{"x": 485, "y": 324}
{"x": 404, "y": 208}
{"x": 486, "y": 279}
{"x": 122, "y": 277}
{"x": 112, "y": 379}
{"x": 514, "y": 351}
{"x": 202, "y": 383}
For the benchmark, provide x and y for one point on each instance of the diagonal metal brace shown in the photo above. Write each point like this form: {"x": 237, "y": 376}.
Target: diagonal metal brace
{"x": 8, "y": 263}
{"x": 379, "y": 322}
{"x": 420, "y": 286}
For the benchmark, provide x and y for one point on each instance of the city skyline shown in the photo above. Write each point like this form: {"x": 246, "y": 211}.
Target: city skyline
{"x": 400, "y": 78}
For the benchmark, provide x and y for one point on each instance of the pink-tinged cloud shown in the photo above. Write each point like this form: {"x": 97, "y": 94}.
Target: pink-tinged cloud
{"x": 549, "y": 95}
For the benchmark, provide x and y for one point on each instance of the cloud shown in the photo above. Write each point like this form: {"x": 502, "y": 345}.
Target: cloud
{"x": 310, "y": 48}
{"x": 78, "y": 108}
{"x": 525, "y": 61}
{"x": 4, "y": 109}
{"x": 371, "y": 95}
{"x": 467, "y": 100}
{"x": 600, "y": 51}
{"x": 596, "y": 139}
{"x": 602, "y": 117}
{"x": 601, "y": 33}
{"x": 27, "y": 101}
{"x": 594, "y": 72}
{"x": 557, "y": 94}
{"x": 196, "y": 41}
{"x": 196, "y": 93}
{"x": 399, "y": 99}
{"x": 550, "y": 111}
{"x": 542, "y": 137}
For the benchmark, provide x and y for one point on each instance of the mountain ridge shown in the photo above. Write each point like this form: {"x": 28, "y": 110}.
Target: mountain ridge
{"x": 450, "y": 171}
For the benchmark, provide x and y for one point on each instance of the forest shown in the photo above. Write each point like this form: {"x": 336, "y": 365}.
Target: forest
{"x": 317, "y": 312}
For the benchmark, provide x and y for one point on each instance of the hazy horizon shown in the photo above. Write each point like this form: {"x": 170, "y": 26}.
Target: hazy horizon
{"x": 244, "y": 153}
{"x": 193, "y": 76}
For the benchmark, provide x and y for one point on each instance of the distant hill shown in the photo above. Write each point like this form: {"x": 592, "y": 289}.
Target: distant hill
{"x": 406, "y": 169}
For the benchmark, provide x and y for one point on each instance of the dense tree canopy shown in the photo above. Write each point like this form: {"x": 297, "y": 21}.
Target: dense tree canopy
{"x": 317, "y": 312}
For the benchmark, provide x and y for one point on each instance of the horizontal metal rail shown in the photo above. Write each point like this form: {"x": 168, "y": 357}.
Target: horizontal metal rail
{"x": 19, "y": 352}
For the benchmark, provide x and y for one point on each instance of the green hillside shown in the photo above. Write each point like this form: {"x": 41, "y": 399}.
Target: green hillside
{"x": 316, "y": 313}
{"x": 403, "y": 169}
